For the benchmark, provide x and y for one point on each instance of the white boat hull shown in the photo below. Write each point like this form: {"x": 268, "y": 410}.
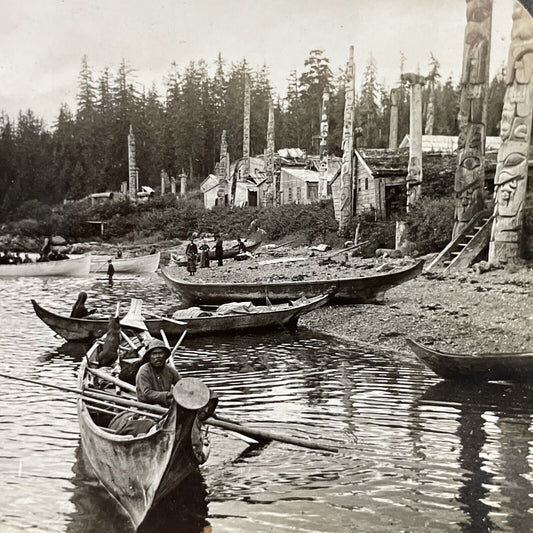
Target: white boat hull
{"x": 142, "y": 264}
{"x": 76, "y": 266}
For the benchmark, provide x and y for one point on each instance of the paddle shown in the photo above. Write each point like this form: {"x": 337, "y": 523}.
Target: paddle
{"x": 175, "y": 349}
{"x": 229, "y": 425}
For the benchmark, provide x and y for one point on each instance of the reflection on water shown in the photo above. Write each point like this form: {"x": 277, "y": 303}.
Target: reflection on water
{"x": 417, "y": 454}
{"x": 183, "y": 511}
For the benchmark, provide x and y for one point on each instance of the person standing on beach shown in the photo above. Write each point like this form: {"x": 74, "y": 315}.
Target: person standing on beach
{"x": 204, "y": 255}
{"x": 219, "y": 253}
{"x": 192, "y": 257}
{"x": 110, "y": 271}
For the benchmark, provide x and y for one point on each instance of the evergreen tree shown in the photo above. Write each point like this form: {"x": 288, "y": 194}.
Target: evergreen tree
{"x": 316, "y": 75}
{"x": 368, "y": 106}
{"x": 495, "y": 104}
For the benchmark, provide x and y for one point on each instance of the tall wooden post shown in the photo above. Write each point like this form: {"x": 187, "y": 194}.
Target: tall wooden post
{"x": 269, "y": 157}
{"x": 222, "y": 170}
{"x": 472, "y": 118}
{"x": 246, "y": 128}
{"x": 414, "y": 170}
{"x": 164, "y": 178}
{"x": 323, "y": 151}
{"x": 511, "y": 179}
{"x": 393, "y": 129}
{"x": 183, "y": 183}
{"x": 132, "y": 167}
{"x": 346, "y": 175}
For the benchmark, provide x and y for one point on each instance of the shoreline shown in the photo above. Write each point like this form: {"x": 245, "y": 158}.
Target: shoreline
{"x": 464, "y": 312}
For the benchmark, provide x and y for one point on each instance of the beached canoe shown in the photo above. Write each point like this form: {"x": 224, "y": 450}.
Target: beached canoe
{"x": 138, "y": 471}
{"x": 74, "y": 266}
{"x": 476, "y": 366}
{"x": 142, "y": 264}
{"x": 263, "y": 317}
{"x": 365, "y": 289}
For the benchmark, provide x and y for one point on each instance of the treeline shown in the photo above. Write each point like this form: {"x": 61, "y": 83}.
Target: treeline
{"x": 85, "y": 150}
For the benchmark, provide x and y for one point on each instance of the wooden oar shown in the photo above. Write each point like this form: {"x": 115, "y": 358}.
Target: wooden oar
{"x": 128, "y": 340}
{"x": 230, "y": 425}
{"x": 94, "y": 395}
{"x": 175, "y": 349}
{"x": 165, "y": 340}
{"x": 262, "y": 435}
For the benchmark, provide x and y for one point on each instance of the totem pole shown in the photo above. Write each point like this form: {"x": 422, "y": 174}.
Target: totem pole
{"x": 132, "y": 167}
{"x": 323, "y": 151}
{"x": 183, "y": 182}
{"x": 414, "y": 169}
{"x": 164, "y": 179}
{"x": 246, "y": 128}
{"x": 173, "y": 185}
{"x": 221, "y": 170}
{"x": 393, "y": 130}
{"x": 511, "y": 179}
{"x": 269, "y": 157}
{"x": 472, "y": 118}
{"x": 346, "y": 175}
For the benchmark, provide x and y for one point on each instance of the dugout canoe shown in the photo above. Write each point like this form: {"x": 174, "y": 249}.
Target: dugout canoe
{"x": 492, "y": 366}
{"x": 266, "y": 317}
{"x": 367, "y": 289}
{"x": 139, "y": 471}
{"x": 227, "y": 253}
{"x": 73, "y": 266}
{"x": 142, "y": 264}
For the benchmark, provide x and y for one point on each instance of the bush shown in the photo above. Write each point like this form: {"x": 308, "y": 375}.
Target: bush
{"x": 429, "y": 224}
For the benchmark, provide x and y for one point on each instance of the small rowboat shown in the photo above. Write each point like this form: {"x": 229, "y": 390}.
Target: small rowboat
{"x": 228, "y": 253}
{"x": 139, "y": 471}
{"x": 142, "y": 264}
{"x": 476, "y": 367}
{"x": 266, "y": 317}
{"x": 347, "y": 290}
{"x": 75, "y": 266}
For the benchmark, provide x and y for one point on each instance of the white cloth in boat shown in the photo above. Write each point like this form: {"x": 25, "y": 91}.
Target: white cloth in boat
{"x": 236, "y": 308}
{"x": 190, "y": 312}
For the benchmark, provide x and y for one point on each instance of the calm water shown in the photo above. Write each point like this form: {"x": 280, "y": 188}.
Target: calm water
{"x": 418, "y": 454}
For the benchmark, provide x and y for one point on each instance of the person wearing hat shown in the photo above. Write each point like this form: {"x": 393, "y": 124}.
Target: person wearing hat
{"x": 155, "y": 378}
{"x": 110, "y": 271}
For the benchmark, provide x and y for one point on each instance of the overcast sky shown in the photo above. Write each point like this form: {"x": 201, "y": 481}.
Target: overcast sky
{"x": 42, "y": 41}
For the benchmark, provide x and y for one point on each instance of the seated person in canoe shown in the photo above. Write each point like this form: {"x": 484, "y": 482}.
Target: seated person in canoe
{"x": 78, "y": 309}
{"x": 155, "y": 378}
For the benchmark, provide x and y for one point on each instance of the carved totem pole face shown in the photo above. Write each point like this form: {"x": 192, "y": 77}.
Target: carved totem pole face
{"x": 469, "y": 175}
{"x": 511, "y": 174}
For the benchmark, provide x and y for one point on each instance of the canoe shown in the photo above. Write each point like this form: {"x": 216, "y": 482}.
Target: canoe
{"x": 228, "y": 253}
{"x": 139, "y": 471}
{"x": 476, "y": 367}
{"x": 365, "y": 289}
{"x": 142, "y": 264}
{"x": 75, "y": 266}
{"x": 267, "y": 317}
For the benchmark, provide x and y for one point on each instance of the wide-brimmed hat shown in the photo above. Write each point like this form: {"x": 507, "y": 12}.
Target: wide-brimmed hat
{"x": 156, "y": 344}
